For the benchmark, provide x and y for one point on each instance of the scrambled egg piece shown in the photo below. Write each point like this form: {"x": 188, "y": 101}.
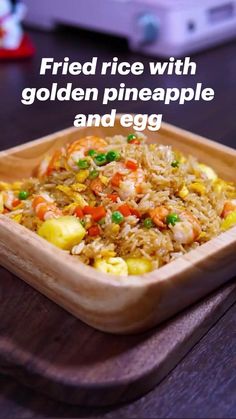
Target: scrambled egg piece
{"x": 114, "y": 266}
{"x": 208, "y": 171}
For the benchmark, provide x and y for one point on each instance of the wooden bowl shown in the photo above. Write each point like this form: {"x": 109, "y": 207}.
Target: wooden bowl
{"x": 119, "y": 305}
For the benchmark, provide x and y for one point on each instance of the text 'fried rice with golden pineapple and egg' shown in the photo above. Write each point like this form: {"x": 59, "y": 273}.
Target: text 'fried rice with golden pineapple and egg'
{"x": 121, "y": 205}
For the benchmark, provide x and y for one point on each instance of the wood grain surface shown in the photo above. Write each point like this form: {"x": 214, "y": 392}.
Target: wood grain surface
{"x": 50, "y": 351}
{"x": 203, "y": 384}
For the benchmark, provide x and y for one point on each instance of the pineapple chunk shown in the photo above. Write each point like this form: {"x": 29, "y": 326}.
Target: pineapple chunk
{"x": 208, "y": 171}
{"x": 138, "y": 266}
{"x": 114, "y": 266}
{"x": 229, "y": 221}
{"x": 64, "y": 232}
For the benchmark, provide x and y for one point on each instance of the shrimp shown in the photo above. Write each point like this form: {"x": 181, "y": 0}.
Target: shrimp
{"x": 44, "y": 209}
{"x": 158, "y": 216}
{"x": 229, "y": 207}
{"x": 131, "y": 185}
{"x": 78, "y": 149}
{"x": 9, "y": 200}
{"x": 188, "y": 229}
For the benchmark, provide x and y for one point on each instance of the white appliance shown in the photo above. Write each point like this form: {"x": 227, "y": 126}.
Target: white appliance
{"x": 155, "y": 27}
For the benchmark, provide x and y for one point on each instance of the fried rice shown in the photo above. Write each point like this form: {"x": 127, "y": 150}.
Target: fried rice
{"x": 140, "y": 205}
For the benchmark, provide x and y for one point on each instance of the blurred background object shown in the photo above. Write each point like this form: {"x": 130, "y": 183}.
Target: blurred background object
{"x": 153, "y": 27}
{"x": 13, "y": 42}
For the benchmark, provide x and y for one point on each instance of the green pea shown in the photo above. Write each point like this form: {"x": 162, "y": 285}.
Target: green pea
{"x": 148, "y": 223}
{"x": 131, "y": 137}
{"x": 172, "y": 219}
{"x": 117, "y": 217}
{"x": 113, "y": 156}
{"x": 100, "y": 159}
{"x": 83, "y": 164}
{"x": 93, "y": 174}
{"x": 175, "y": 163}
{"x": 92, "y": 153}
{"x": 23, "y": 195}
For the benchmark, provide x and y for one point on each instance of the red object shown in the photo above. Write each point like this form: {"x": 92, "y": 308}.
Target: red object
{"x": 94, "y": 231}
{"x": 132, "y": 165}
{"x": 137, "y": 142}
{"x": 16, "y": 202}
{"x": 125, "y": 210}
{"x": 25, "y": 50}
{"x": 97, "y": 212}
{"x": 78, "y": 212}
{"x": 116, "y": 179}
{"x": 113, "y": 197}
{"x": 135, "y": 212}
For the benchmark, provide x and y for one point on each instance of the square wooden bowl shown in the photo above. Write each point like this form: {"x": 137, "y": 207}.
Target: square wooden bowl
{"x": 116, "y": 304}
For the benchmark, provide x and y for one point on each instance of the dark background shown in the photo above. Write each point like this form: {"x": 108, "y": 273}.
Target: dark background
{"x": 204, "y": 383}
{"x": 216, "y": 69}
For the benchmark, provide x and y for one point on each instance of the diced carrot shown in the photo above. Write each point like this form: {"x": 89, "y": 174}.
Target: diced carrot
{"x": 113, "y": 197}
{"x": 87, "y": 210}
{"x": 94, "y": 231}
{"x": 125, "y": 210}
{"x": 116, "y": 179}
{"x": 97, "y": 212}
{"x": 96, "y": 186}
{"x": 135, "y": 212}
{"x": 78, "y": 212}
{"x": 131, "y": 165}
{"x": 139, "y": 188}
{"x": 135, "y": 141}
{"x": 16, "y": 202}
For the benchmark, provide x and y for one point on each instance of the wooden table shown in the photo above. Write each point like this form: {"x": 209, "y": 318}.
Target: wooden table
{"x": 204, "y": 383}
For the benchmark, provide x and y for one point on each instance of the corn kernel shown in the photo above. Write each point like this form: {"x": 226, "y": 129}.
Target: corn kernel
{"x": 198, "y": 188}
{"x": 82, "y": 176}
{"x": 115, "y": 228}
{"x": 183, "y": 193}
{"x": 104, "y": 180}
